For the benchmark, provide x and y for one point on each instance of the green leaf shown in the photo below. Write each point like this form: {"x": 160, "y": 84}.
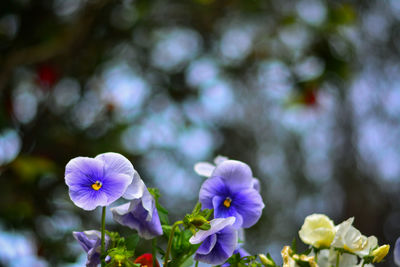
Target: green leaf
{"x": 132, "y": 241}
{"x": 188, "y": 262}
{"x": 197, "y": 208}
{"x": 294, "y": 245}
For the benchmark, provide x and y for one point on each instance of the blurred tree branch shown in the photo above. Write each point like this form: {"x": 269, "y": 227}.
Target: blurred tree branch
{"x": 66, "y": 40}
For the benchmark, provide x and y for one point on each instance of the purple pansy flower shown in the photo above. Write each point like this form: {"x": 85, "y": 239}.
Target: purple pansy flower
{"x": 396, "y": 252}
{"x": 206, "y": 169}
{"x": 98, "y": 181}
{"x": 230, "y": 192}
{"x": 91, "y": 243}
{"x": 218, "y": 243}
{"x": 141, "y": 212}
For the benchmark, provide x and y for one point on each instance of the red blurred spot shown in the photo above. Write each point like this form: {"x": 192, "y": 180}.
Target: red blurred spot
{"x": 146, "y": 260}
{"x": 310, "y": 98}
{"x": 47, "y": 76}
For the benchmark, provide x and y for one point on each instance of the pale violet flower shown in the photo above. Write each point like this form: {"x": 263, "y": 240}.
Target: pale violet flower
{"x": 98, "y": 181}
{"x": 218, "y": 243}
{"x": 318, "y": 230}
{"x": 91, "y": 244}
{"x": 230, "y": 192}
{"x": 140, "y": 213}
{"x": 396, "y": 252}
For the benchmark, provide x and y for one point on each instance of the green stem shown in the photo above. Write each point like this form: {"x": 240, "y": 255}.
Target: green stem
{"x": 103, "y": 230}
{"x": 154, "y": 251}
{"x": 171, "y": 236}
{"x": 337, "y": 259}
{"x": 197, "y": 264}
{"x": 363, "y": 264}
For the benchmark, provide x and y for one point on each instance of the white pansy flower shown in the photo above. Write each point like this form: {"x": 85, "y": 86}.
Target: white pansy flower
{"x": 328, "y": 257}
{"x": 372, "y": 243}
{"x": 351, "y": 239}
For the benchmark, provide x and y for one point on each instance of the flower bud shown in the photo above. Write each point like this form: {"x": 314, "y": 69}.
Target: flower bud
{"x": 265, "y": 261}
{"x": 380, "y": 252}
{"x": 200, "y": 222}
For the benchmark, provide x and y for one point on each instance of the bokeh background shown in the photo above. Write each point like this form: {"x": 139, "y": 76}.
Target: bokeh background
{"x": 307, "y": 92}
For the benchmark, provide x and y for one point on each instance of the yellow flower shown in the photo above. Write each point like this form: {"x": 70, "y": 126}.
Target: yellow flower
{"x": 380, "y": 252}
{"x": 318, "y": 230}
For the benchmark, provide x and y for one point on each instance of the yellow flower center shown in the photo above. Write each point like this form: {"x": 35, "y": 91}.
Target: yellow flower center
{"x": 97, "y": 185}
{"x": 227, "y": 202}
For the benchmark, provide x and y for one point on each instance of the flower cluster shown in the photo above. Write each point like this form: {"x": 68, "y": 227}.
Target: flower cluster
{"x": 340, "y": 245}
{"x": 213, "y": 233}
{"x": 102, "y": 180}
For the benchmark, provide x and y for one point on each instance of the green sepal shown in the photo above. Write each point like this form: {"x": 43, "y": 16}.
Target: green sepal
{"x": 368, "y": 259}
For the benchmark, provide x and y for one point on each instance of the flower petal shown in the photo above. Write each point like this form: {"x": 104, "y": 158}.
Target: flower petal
{"x": 135, "y": 216}
{"x": 219, "y": 159}
{"x": 207, "y": 245}
{"x": 87, "y": 198}
{"x": 235, "y": 173}
{"x": 249, "y": 204}
{"x": 91, "y": 242}
{"x": 116, "y": 163}
{"x": 204, "y": 169}
{"x": 115, "y": 185}
{"x": 216, "y": 225}
{"x": 210, "y": 188}
{"x": 82, "y": 171}
{"x": 216, "y": 257}
{"x": 228, "y": 239}
{"x": 396, "y": 252}
{"x": 84, "y": 240}
{"x": 223, "y": 249}
{"x": 256, "y": 184}
{"x": 135, "y": 189}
